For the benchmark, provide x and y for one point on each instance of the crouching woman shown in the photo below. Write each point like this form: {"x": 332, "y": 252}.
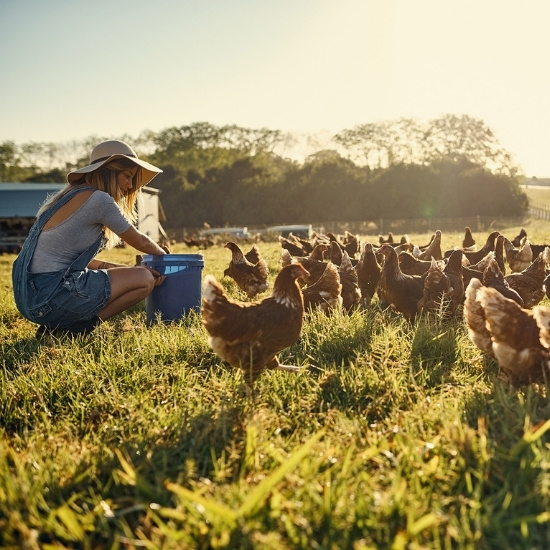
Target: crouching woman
{"x": 58, "y": 282}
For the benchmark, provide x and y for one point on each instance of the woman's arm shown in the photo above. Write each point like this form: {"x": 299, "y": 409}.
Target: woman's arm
{"x": 100, "y": 264}
{"x": 140, "y": 241}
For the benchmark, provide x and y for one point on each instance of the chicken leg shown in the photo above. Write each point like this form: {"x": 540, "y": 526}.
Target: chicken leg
{"x": 288, "y": 368}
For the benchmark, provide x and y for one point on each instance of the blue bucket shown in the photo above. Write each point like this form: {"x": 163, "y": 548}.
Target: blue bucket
{"x": 180, "y": 292}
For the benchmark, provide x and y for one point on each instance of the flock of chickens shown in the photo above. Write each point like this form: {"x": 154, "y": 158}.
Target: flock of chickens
{"x": 496, "y": 288}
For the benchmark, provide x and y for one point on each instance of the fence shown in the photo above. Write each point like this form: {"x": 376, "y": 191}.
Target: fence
{"x": 478, "y": 224}
{"x": 539, "y": 211}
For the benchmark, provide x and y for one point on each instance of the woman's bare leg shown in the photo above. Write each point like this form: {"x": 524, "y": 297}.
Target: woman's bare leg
{"x": 129, "y": 285}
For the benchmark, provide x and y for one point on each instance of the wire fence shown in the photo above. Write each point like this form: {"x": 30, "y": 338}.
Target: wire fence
{"x": 383, "y": 226}
{"x": 478, "y": 224}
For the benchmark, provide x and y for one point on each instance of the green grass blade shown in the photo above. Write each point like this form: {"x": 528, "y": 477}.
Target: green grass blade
{"x": 258, "y": 495}
{"x": 429, "y": 520}
{"x": 534, "y": 435}
{"x": 218, "y": 511}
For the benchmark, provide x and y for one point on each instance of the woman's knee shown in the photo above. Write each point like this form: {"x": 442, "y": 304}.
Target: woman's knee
{"x": 132, "y": 280}
{"x": 148, "y": 282}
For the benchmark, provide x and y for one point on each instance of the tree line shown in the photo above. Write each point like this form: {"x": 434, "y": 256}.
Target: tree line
{"x": 452, "y": 166}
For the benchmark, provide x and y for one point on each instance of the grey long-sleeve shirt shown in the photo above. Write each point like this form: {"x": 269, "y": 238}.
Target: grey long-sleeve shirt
{"x": 58, "y": 247}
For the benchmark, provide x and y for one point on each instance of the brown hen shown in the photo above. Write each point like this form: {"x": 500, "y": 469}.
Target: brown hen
{"x": 315, "y": 267}
{"x": 493, "y": 277}
{"x": 517, "y": 240}
{"x": 489, "y": 246}
{"x": 294, "y": 246}
{"x": 351, "y": 244}
{"x": 468, "y": 274}
{"x": 515, "y": 337}
{"x": 455, "y": 273}
{"x": 468, "y": 241}
{"x": 399, "y": 290}
{"x": 433, "y": 250}
{"x": 253, "y": 255}
{"x": 252, "y": 278}
{"x": 411, "y": 265}
{"x": 485, "y": 261}
{"x": 368, "y": 274}
{"x": 529, "y": 283}
{"x": 326, "y": 292}
{"x": 474, "y": 316}
{"x": 306, "y": 244}
{"x": 518, "y": 258}
{"x": 499, "y": 253}
{"x": 250, "y": 335}
{"x": 437, "y": 291}
{"x": 335, "y": 253}
{"x": 318, "y": 252}
{"x": 351, "y": 295}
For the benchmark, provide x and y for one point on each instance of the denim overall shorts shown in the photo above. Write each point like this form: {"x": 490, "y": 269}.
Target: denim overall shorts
{"x": 59, "y": 299}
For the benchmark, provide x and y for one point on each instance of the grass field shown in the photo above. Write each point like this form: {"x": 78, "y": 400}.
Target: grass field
{"x": 538, "y": 196}
{"x": 392, "y": 436}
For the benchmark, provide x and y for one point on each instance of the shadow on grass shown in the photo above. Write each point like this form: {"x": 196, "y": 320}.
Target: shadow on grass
{"x": 19, "y": 353}
{"x": 501, "y": 444}
{"x": 435, "y": 351}
{"x": 131, "y": 477}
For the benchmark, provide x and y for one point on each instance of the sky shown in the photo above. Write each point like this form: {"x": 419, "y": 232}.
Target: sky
{"x": 70, "y": 69}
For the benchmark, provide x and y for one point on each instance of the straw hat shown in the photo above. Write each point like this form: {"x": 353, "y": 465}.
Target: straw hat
{"x": 110, "y": 150}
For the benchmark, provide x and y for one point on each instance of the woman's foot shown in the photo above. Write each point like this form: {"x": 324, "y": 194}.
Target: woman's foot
{"x": 81, "y": 327}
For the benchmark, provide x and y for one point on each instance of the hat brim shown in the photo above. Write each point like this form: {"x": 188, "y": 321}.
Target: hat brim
{"x": 148, "y": 172}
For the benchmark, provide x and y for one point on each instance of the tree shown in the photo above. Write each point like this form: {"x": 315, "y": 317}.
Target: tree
{"x": 330, "y": 187}
{"x": 52, "y": 176}
{"x": 446, "y": 188}
{"x": 451, "y": 166}
{"x": 455, "y": 138}
{"x": 202, "y": 144}
{"x": 12, "y": 166}
{"x": 469, "y": 189}
{"x": 383, "y": 144}
{"x": 389, "y": 143}
{"x": 9, "y": 160}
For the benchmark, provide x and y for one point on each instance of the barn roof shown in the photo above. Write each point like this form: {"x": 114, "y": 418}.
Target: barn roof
{"x": 20, "y": 186}
{"x": 22, "y": 200}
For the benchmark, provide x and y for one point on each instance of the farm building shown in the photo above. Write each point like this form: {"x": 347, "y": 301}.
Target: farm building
{"x": 19, "y": 203}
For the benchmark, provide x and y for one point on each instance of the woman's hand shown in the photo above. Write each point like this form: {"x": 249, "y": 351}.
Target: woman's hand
{"x": 159, "y": 279}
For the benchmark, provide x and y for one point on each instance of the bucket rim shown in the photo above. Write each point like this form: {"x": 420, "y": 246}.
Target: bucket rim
{"x": 163, "y": 258}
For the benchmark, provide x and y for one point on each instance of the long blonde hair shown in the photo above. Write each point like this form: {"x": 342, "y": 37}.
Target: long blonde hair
{"x": 105, "y": 179}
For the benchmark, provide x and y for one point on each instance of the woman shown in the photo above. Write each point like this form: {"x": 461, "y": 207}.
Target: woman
{"x": 57, "y": 280}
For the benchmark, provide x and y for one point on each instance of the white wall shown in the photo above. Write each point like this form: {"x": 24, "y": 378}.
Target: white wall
{"x": 148, "y": 212}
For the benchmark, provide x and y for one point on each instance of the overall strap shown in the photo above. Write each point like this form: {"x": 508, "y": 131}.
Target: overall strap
{"x": 45, "y": 216}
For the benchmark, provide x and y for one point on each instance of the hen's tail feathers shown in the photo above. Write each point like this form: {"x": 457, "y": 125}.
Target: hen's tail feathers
{"x": 263, "y": 270}
{"x": 286, "y": 257}
{"x": 212, "y": 290}
{"x": 474, "y": 316}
